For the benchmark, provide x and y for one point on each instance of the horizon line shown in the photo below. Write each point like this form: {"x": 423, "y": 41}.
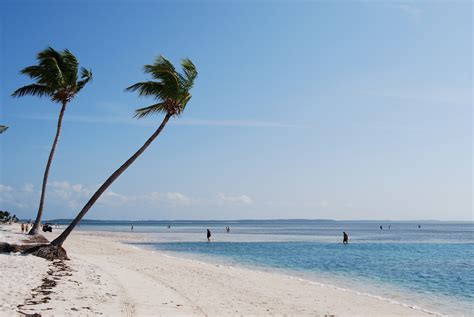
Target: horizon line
{"x": 263, "y": 219}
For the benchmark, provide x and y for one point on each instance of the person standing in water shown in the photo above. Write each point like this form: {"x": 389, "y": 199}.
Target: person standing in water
{"x": 208, "y": 235}
{"x": 381, "y": 228}
{"x": 131, "y": 228}
{"x": 345, "y": 238}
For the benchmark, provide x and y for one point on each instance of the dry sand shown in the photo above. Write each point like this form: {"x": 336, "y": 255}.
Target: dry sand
{"x": 108, "y": 277}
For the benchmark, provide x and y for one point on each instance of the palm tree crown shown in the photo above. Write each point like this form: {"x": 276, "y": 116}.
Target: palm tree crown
{"x": 171, "y": 88}
{"x": 56, "y": 76}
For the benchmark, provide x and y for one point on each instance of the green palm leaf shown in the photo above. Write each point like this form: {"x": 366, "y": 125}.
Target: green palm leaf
{"x": 86, "y": 76}
{"x": 168, "y": 86}
{"x": 32, "y": 90}
{"x": 55, "y": 75}
{"x": 156, "y": 108}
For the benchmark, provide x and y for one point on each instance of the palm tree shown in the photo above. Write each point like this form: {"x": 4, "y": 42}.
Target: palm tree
{"x": 3, "y": 128}
{"x": 56, "y": 77}
{"x": 172, "y": 91}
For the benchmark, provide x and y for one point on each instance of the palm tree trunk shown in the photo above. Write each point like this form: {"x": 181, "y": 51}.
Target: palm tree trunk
{"x": 62, "y": 237}
{"x": 39, "y": 215}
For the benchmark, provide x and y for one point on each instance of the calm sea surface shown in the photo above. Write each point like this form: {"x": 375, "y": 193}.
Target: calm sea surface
{"x": 431, "y": 267}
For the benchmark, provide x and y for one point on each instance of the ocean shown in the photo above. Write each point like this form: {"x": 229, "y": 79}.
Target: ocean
{"x": 428, "y": 265}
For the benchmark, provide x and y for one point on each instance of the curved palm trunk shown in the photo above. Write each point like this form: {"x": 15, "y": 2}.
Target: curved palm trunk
{"x": 39, "y": 215}
{"x": 60, "y": 240}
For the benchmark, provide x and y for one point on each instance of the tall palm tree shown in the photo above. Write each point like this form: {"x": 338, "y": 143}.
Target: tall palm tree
{"x": 3, "y": 128}
{"x": 56, "y": 77}
{"x": 172, "y": 91}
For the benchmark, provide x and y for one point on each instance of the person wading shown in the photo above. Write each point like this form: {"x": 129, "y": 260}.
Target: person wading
{"x": 208, "y": 235}
{"x": 345, "y": 238}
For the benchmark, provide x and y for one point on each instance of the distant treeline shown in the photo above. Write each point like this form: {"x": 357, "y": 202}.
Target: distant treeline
{"x": 235, "y": 221}
{"x": 5, "y": 216}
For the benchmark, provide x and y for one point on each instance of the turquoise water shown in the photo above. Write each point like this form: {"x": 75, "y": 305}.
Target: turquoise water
{"x": 431, "y": 267}
{"x": 422, "y": 268}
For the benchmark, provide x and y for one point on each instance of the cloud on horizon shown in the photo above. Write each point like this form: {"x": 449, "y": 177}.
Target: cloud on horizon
{"x": 62, "y": 194}
{"x": 148, "y": 123}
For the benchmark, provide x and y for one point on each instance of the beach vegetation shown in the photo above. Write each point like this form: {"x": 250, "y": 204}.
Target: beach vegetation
{"x": 171, "y": 91}
{"x": 6, "y": 216}
{"x": 58, "y": 77}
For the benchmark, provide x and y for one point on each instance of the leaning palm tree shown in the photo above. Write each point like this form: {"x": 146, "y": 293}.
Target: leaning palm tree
{"x": 56, "y": 77}
{"x": 3, "y": 128}
{"x": 171, "y": 90}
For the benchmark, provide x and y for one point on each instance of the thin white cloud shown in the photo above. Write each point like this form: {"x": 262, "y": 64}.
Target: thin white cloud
{"x": 166, "y": 197}
{"x": 237, "y": 123}
{"x": 74, "y": 196}
{"x": 29, "y": 188}
{"x": 148, "y": 122}
{"x": 5, "y": 188}
{"x": 409, "y": 9}
{"x": 238, "y": 199}
{"x": 70, "y": 194}
{"x": 324, "y": 203}
{"x": 10, "y": 197}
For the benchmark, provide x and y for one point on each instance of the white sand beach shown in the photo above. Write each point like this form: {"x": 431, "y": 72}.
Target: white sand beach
{"x": 108, "y": 277}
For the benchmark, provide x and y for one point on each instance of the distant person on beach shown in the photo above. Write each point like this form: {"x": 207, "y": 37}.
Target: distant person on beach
{"x": 419, "y": 227}
{"x": 131, "y": 228}
{"x": 381, "y": 228}
{"x": 345, "y": 238}
{"x": 208, "y": 235}
{"x": 22, "y": 227}
{"x": 26, "y": 228}
{"x": 169, "y": 226}
{"x": 388, "y": 227}
{"x": 227, "y": 229}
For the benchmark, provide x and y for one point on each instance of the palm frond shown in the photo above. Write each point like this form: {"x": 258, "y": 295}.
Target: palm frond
{"x": 171, "y": 88}
{"x": 32, "y": 90}
{"x": 56, "y": 75}
{"x": 69, "y": 66}
{"x": 49, "y": 52}
{"x": 190, "y": 73}
{"x": 150, "y": 88}
{"x": 34, "y": 72}
{"x": 156, "y": 108}
{"x": 49, "y": 61}
{"x": 86, "y": 76}
{"x": 163, "y": 71}
{"x": 184, "y": 101}
{"x": 42, "y": 75}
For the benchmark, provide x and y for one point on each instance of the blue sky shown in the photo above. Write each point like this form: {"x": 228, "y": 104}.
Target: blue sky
{"x": 342, "y": 110}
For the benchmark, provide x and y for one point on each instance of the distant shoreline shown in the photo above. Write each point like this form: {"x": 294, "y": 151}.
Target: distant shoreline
{"x": 92, "y": 221}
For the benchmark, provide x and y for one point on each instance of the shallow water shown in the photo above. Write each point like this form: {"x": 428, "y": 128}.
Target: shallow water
{"x": 431, "y": 267}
